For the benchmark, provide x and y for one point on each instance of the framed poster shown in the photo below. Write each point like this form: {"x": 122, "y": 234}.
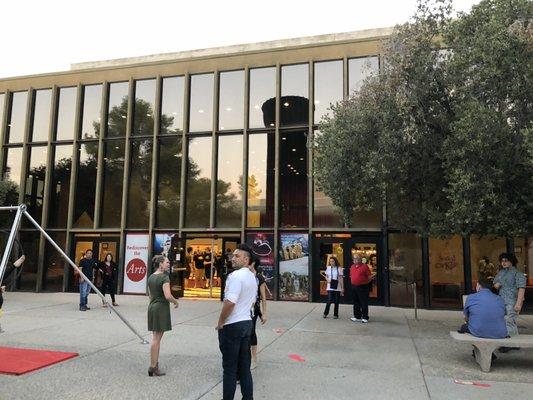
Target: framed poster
{"x": 135, "y": 263}
{"x": 294, "y": 266}
{"x": 262, "y": 245}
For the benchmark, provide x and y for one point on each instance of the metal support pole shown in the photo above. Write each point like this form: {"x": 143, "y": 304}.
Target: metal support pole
{"x": 11, "y": 239}
{"x": 211, "y": 267}
{"x": 414, "y": 301}
{"x": 73, "y": 265}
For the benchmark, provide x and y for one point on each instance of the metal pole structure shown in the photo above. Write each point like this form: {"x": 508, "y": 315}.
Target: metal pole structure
{"x": 11, "y": 239}
{"x": 211, "y": 267}
{"x": 414, "y": 301}
{"x": 73, "y": 265}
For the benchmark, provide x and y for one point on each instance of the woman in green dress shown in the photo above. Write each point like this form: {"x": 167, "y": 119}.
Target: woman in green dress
{"x": 159, "y": 309}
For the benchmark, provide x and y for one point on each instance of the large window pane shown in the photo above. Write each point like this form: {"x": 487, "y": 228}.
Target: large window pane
{"x": 446, "y": 271}
{"x": 54, "y": 264}
{"x": 35, "y": 176}
{"x": 405, "y": 267}
{"x": 86, "y": 185}
{"x": 92, "y": 106}
{"x": 143, "y": 113}
{"x": 113, "y": 176}
{"x": 60, "y": 187}
{"x": 295, "y": 95}
{"x": 172, "y": 105}
{"x": 11, "y": 172}
{"x": 168, "y": 182}
{"x": 117, "y": 110}
{"x": 198, "y": 182}
{"x": 17, "y": 118}
{"x": 262, "y": 97}
{"x": 293, "y": 180}
{"x": 139, "y": 184}
{"x": 261, "y": 158}
{"x": 2, "y": 102}
{"x": 359, "y": 69}
{"x": 41, "y": 115}
{"x": 484, "y": 253}
{"x": 201, "y": 104}
{"x": 229, "y": 182}
{"x": 66, "y": 113}
{"x": 328, "y": 87}
{"x": 231, "y": 102}
{"x": 28, "y": 278}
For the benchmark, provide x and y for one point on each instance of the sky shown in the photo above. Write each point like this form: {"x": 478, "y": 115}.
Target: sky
{"x": 47, "y": 36}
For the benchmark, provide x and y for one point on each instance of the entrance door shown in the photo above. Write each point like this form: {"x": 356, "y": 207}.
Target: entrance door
{"x": 99, "y": 244}
{"x": 343, "y": 247}
{"x": 205, "y": 257}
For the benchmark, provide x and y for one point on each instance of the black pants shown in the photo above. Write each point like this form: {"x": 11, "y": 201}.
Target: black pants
{"x": 234, "y": 344}
{"x": 360, "y": 301}
{"x": 333, "y": 297}
{"x": 108, "y": 285}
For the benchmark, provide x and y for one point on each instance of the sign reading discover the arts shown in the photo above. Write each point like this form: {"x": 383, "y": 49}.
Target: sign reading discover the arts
{"x": 135, "y": 263}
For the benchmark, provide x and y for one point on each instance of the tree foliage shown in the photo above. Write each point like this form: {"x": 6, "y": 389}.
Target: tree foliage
{"x": 444, "y": 132}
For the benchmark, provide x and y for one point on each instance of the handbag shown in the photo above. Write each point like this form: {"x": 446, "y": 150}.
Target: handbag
{"x": 334, "y": 283}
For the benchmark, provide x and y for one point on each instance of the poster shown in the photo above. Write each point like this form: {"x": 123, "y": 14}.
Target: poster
{"x": 294, "y": 267}
{"x": 165, "y": 244}
{"x": 135, "y": 263}
{"x": 262, "y": 245}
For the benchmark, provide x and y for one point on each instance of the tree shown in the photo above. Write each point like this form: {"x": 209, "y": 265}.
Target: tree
{"x": 9, "y": 193}
{"x": 446, "y": 127}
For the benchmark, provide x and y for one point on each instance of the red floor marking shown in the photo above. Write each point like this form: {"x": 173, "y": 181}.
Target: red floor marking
{"x": 296, "y": 357}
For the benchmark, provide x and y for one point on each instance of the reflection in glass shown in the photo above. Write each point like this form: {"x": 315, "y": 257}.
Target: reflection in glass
{"x": 92, "y": 106}
{"x": 139, "y": 184}
{"x": 446, "y": 271}
{"x": 262, "y": 97}
{"x": 229, "y": 182}
{"x": 294, "y": 107}
{"x": 2, "y": 100}
{"x": 261, "y": 158}
{"x": 523, "y": 250}
{"x": 17, "y": 118}
{"x": 198, "y": 182}
{"x": 66, "y": 113}
{"x": 172, "y": 105}
{"x": 11, "y": 172}
{"x": 483, "y": 249}
{"x": 85, "y": 185}
{"x": 113, "y": 176}
{"x": 60, "y": 187}
{"x": 293, "y": 180}
{"x": 359, "y": 69}
{"x": 143, "y": 113}
{"x": 41, "y": 115}
{"x": 54, "y": 264}
{"x": 405, "y": 267}
{"x": 168, "y": 182}
{"x": 231, "y": 103}
{"x": 35, "y": 176}
{"x": 117, "y": 111}
{"x": 328, "y": 87}
{"x": 30, "y": 245}
{"x": 201, "y": 103}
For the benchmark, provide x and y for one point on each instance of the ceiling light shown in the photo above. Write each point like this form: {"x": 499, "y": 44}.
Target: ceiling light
{"x": 201, "y": 111}
{"x": 301, "y": 158}
{"x": 271, "y": 124}
{"x": 228, "y": 109}
{"x": 123, "y": 116}
{"x": 148, "y": 115}
{"x": 256, "y": 106}
{"x": 284, "y": 138}
{"x": 293, "y": 149}
{"x": 317, "y": 101}
{"x": 286, "y": 104}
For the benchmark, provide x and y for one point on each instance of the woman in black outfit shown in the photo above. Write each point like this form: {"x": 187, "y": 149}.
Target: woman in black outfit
{"x": 108, "y": 270}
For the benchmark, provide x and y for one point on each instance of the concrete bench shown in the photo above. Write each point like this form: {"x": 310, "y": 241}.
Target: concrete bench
{"x": 483, "y": 348}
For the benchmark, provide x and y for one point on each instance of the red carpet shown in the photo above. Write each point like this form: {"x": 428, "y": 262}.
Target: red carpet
{"x": 16, "y": 361}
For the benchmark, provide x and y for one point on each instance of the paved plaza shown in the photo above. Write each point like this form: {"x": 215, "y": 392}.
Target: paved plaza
{"x": 393, "y": 357}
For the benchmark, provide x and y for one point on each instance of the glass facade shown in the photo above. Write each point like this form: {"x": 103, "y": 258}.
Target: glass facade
{"x": 225, "y": 123}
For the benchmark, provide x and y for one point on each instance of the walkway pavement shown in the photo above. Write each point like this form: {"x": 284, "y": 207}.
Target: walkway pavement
{"x": 393, "y": 357}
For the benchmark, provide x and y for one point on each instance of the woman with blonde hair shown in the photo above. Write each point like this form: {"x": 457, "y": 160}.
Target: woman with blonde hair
{"x": 159, "y": 309}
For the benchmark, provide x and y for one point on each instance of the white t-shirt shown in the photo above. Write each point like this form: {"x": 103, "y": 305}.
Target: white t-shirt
{"x": 241, "y": 290}
{"x": 334, "y": 273}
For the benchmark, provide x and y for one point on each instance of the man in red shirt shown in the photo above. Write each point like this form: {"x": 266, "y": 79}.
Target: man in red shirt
{"x": 360, "y": 277}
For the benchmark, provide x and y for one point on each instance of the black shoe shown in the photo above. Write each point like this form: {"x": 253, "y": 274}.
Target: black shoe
{"x": 324, "y": 316}
{"x": 335, "y": 317}
{"x": 87, "y": 308}
{"x": 83, "y": 308}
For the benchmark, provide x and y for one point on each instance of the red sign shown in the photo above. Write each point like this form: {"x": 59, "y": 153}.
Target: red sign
{"x": 136, "y": 270}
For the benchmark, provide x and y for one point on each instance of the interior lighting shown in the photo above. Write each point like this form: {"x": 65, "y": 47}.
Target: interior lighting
{"x": 293, "y": 149}
{"x": 317, "y": 101}
{"x": 201, "y": 111}
{"x": 228, "y": 108}
{"x": 256, "y": 106}
{"x": 286, "y": 104}
{"x": 271, "y": 124}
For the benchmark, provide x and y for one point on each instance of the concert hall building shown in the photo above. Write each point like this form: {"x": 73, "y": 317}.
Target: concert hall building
{"x": 189, "y": 153}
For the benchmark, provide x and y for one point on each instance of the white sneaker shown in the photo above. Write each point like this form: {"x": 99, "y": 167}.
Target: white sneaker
{"x": 353, "y": 319}
{"x": 253, "y": 365}
{"x": 364, "y": 321}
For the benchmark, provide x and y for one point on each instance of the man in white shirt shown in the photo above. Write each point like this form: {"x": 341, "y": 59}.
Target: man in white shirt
{"x": 235, "y": 325}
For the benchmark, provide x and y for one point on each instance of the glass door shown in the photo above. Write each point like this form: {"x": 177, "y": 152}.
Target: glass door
{"x": 368, "y": 249}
